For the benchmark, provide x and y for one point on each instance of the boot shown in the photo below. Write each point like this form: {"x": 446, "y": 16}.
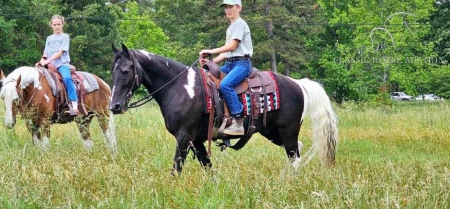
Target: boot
{"x": 236, "y": 128}
{"x": 72, "y": 111}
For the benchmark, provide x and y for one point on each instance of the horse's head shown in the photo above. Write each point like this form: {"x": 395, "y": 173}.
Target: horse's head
{"x": 125, "y": 77}
{"x": 10, "y": 96}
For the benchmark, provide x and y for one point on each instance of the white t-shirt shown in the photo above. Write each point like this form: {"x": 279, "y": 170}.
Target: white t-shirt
{"x": 56, "y": 43}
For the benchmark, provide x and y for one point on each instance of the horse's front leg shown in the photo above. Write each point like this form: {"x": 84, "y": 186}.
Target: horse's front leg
{"x": 83, "y": 123}
{"x": 106, "y": 122}
{"x": 40, "y": 133}
{"x": 45, "y": 135}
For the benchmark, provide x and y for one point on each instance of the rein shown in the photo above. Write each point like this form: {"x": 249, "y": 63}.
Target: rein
{"x": 149, "y": 97}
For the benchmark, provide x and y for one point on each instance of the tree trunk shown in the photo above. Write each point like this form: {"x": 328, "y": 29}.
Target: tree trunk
{"x": 269, "y": 30}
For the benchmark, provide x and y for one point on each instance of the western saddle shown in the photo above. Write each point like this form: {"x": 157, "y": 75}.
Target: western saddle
{"x": 256, "y": 84}
{"x": 61, "y": 92}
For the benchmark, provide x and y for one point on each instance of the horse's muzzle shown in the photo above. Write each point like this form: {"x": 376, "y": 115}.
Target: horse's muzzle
{"x": 117, "y": 108}
{"x": 10, "y": 125}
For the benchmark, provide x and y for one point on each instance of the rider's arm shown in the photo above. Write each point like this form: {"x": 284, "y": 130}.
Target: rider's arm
{"x": 55, "y": 56}
{"x": 230, "y": 46}
{"x": 219, "y": 58}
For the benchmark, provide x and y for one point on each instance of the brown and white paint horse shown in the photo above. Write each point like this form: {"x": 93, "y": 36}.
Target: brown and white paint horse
{"x": 26, "y": 90}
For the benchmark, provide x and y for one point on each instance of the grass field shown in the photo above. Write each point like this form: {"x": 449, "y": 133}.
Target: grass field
{"x": 387, "y": 158}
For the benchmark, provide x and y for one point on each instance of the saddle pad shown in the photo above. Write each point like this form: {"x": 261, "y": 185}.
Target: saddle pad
{"x": 50, "y": 80}
{"x": 89, "y": 82}
{"x": 273, "y": 102}
{"x": 273, "y": 98}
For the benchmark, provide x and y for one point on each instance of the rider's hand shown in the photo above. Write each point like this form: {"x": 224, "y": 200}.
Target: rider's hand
{"x": 205, "y": 53}
{"x": 44, "y": 62}
{"x": 203, "y": 61}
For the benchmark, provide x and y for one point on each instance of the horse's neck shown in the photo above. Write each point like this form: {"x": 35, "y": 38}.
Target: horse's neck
{"x": 146, "y": 81}
{"x": 160, "y": 73}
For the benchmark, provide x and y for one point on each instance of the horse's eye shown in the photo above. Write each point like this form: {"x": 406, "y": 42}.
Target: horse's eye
{"x": 125, "y": 72}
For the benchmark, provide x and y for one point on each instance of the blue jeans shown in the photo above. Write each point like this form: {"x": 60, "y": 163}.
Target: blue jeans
{"x": 64, "y": 70}
{"x": 235, "y": 72}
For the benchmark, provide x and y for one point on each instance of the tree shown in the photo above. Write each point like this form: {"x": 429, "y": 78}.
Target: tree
{"x": 377, "y": 42}
{"x": 22, "y": 33}
{"x": 7, "y": 37}
{"x": 440, "y": 30}
{"x": 281, "y": 31}
{"x": 90, "y": 25}
{"x": 191, "y": 25}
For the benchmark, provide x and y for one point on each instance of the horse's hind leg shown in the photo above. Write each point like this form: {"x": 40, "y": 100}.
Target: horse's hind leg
{"x": 202, "y": 155}
{"x": 181, "y": 152}
{"x": 83, "y": 124}
{"x": 287, "y": 138}
{"x": 108, "y": 128}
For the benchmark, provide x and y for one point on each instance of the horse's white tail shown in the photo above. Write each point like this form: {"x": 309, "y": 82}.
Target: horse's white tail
{"x": 324, "y": 122}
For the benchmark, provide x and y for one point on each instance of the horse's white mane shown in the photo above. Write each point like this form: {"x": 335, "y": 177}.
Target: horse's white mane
{"x": 29, "y": 75}
{"x": 148, "y": 54}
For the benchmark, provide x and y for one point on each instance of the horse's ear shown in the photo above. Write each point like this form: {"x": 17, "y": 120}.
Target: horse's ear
{"x": 18, "y": 80}
{"x": 114, "y": 48}
{"x": 124, "y": 48}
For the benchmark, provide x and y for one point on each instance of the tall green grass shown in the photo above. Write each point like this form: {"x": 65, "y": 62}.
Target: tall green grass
{"x": 395, "y": 157}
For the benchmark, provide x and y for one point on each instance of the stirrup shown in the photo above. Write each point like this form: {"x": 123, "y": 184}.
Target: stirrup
{"x": 233, "y": 131}
{"x": 72, "y": 111}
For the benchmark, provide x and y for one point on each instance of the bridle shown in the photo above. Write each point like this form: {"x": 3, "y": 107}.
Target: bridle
{"x": 135, "y": 80}
{"x": 149, "y": 97}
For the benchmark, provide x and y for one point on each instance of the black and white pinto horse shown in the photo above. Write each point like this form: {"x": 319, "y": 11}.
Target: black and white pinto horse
{"x": 177, "y": 89}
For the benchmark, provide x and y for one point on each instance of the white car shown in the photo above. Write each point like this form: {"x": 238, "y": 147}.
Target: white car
{"x": 398, "y": 95}
{"x": 426, "y": 97}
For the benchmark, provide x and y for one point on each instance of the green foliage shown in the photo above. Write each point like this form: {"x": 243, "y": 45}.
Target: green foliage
{"x": 440, "y": 81}
{"x": 6, "y": 38}
{"x": 138, "y": 31}
{"x": 282, "y": 32}
{"x": 93, "y": 29}
{"x": 353, "y": 48}
{"x": 386, "y": 48}
{"x": 20, "y": 33}
{"x": 440, "y": 30}
{"x": 190, "y": 30}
